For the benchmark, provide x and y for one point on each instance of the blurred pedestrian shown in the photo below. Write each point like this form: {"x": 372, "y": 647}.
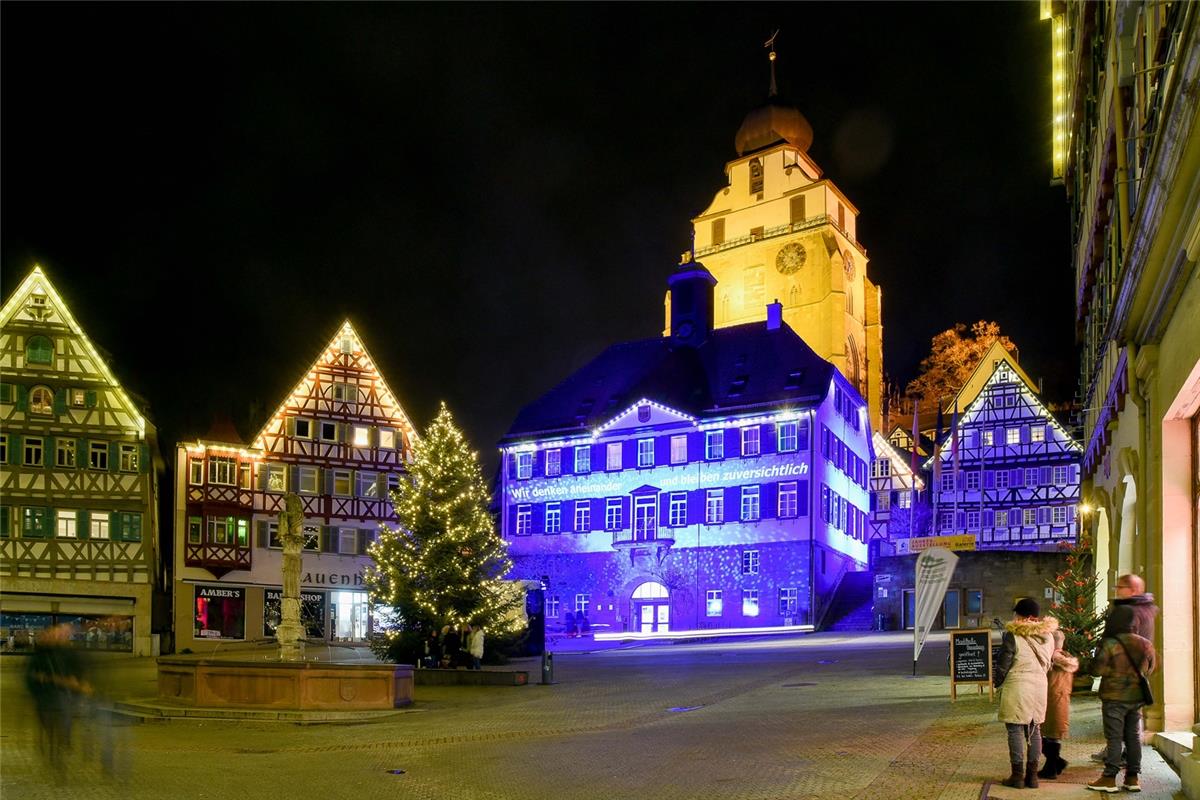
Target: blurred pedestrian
{"x": 1025, "y": 658}
{"x": 450, "y": 645}
{"x": 1058, "y": 707}
{"x": 56, "y": 682}
{"x": 1123, "y": 660}
{"x": 476, "y": 647}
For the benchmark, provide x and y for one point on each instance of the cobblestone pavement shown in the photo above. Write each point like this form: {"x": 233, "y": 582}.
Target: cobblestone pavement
{"x": 829, "y": 716}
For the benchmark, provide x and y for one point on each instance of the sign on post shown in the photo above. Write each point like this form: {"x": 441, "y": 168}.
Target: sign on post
{"x": 934, "y": 568}
{"x": 971, "y": 660}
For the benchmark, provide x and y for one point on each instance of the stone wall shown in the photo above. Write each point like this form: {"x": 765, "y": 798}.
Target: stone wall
{"x": 1001, "y": 576}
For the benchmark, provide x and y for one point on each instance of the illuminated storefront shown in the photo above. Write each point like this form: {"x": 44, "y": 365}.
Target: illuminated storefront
{"x": 710, "y": 479}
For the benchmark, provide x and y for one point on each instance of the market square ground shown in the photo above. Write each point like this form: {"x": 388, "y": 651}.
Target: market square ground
{"x": 830, "y": 716}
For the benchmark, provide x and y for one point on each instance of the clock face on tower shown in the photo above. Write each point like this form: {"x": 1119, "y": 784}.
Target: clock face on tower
{"x": 791, "y": 258}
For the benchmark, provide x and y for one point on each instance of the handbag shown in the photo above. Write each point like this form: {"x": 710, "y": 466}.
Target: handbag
{"x": 1143, "y": 683}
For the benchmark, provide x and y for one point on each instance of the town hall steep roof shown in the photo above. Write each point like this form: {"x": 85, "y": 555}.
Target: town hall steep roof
{"x": 735, "y": 368}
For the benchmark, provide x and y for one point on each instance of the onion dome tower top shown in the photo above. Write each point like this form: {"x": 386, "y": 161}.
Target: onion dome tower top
{"x": 774, "y": 122}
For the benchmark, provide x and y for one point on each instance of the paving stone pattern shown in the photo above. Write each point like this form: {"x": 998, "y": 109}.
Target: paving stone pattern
{"x": 767, "y": 719}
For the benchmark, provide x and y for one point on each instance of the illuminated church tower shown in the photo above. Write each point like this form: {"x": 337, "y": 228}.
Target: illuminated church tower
{"x": 781, "y": 231}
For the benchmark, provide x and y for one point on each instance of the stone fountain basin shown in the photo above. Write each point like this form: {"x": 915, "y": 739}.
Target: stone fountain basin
{"x": 279, "y": 685}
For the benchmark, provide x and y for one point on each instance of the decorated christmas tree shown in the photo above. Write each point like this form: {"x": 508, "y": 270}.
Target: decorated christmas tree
{"x": 443, "y": 563}
{"x": 1074, "y": 600}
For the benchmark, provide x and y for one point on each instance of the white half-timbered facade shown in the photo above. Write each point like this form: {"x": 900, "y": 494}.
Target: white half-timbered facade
{"x": 895, "y": 489}
{"x": 1016, "y": 486}
{"x": 340, "y": 440}
{"x": 78, "y": 484}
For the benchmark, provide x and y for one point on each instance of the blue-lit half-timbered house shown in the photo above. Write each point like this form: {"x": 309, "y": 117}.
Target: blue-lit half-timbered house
{"x": 1016, "y": 485}
{"x": 706, "y": 479}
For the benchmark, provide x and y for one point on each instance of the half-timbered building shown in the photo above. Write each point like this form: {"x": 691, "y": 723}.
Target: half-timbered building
{"x": 895, "y": 490}
{"x": 78, "y": 484}
{"x": 1014, "y": 482}
{"x": 339, "y": 440}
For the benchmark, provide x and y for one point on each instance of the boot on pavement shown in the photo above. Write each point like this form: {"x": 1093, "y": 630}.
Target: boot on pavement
{"x": 1017, "y": 779}
{"x": 1131, "y": 783}
{"x": 1105, "y": 783}
{"x": 1054, "y": 761}
{"x": 1031, "y": 775}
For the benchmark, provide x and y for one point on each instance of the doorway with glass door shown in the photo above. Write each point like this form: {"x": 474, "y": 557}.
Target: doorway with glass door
{"x": 652, "y": 608}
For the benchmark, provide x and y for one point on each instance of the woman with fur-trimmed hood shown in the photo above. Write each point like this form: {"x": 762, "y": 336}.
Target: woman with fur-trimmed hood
{"x": 1025, "y": 659}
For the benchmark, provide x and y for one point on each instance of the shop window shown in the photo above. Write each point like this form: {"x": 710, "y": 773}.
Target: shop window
{"x": 312, "y": 612}
{"x": 349, "y": 616}
{"x": 220, "y": 612}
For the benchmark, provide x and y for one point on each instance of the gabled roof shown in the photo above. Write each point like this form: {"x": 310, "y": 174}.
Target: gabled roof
{"x": 739, "y": 367}
{"x": 968, "y": 415}
{"x": 37, "y": 283}
{"x": 982, "y": 374}
{"x": 345, "y": 333}
{"x": 898, "y": 456}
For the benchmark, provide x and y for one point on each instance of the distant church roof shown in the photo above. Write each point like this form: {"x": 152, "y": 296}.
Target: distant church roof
{"x": 736, "y": 367}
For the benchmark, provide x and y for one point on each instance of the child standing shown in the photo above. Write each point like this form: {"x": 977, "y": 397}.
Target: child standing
{"x": 1058, "y": 708}
{"x": 1025, "y": 659}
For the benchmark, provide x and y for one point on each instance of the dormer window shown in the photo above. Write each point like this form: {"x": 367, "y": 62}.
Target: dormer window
{"x": 39, "y": 350}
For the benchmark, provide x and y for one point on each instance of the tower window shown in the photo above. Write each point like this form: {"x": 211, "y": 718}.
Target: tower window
{"x": 718, "y": 231}
{"x": 756, "y": 176}
{"x": 796, "y": 207}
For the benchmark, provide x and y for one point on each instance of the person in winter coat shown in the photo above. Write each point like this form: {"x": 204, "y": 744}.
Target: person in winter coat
{"x": 475, "y": 646}
{"x": 1025, "y": 658}
{"x": 1133, "y": 610}
{"x": 1120, "y": 656}
{"x": 1058, "y": 708}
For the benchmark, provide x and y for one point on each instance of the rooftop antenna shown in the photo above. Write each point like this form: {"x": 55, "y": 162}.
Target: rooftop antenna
{"x": 771, "y": 44}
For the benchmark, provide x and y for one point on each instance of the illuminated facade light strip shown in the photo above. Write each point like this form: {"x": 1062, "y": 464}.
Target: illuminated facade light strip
{"x": 1060, "y": 93}
{"x": 783, "y": 416}
{"x": 642, "y": 402}
{"x": 701, "y": 634}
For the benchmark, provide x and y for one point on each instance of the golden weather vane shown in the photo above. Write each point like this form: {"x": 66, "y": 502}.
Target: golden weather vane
{"x": 771, "y": 44}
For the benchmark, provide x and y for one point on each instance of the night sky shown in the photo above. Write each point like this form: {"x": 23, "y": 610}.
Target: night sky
{"x": 494, "y": 194}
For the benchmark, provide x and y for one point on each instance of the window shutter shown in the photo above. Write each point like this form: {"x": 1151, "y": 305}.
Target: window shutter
{"x": 49, "y": 455}
{"x": 328, "y": 539}
{"x": 90, "y": 399}
{"x": 364, "y": 541}
{"x": 114, "y": 456}
{"x": 989, "y": 479}
{"x": 1070, "y": 514}
{"x": 1016, "y": 478}
{"x": 260, "y": 533}
{"x": 14, "y": 449}
{"x": 1074, "y": 473}
{"x": 802, "y": 498}
{"x": 293, "y": 479}
{"x": 143, "y": 458}
{"x": 289, "y": 426}
{"x": 81, "y": 524}
{"x": 327, "y": 474}
{"x": 81, "y": 455}
{"x": 22, "y": 398}
{"x": 1045, "y": 475}
{"x": 960, "y": 520}
{"x": 989, "y": 518}
{"x": 60, "y": 401}
{"x": 6, "y": 392}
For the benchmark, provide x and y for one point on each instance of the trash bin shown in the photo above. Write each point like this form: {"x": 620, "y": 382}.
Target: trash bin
{"x": 547, "y": 668}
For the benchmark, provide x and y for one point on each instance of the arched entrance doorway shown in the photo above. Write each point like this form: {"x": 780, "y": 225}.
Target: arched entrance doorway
{"x": 1103, "y": 558}
{"x": 1128, "y": 527}
{"x": 652, "y": 608}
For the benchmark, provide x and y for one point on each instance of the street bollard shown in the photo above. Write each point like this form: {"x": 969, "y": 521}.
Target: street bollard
{"x": 547, "y": 668}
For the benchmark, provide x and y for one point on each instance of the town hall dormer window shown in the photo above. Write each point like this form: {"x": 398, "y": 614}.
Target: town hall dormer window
{"x": 756, "y": 176}
{"x": 41, "y": 400}
{"x": 39, "y": 350}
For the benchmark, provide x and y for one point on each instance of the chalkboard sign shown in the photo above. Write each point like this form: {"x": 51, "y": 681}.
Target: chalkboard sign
{"x": 970, "y": 659}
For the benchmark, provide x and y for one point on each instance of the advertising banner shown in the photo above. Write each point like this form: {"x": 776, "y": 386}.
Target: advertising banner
{"x": 961, "y": 541}
{"x": 934, "y": 568}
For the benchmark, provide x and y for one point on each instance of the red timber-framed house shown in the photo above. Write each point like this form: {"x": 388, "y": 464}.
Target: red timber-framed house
{"x": 78, "y": 485}
{"x": 340, "y": 440}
